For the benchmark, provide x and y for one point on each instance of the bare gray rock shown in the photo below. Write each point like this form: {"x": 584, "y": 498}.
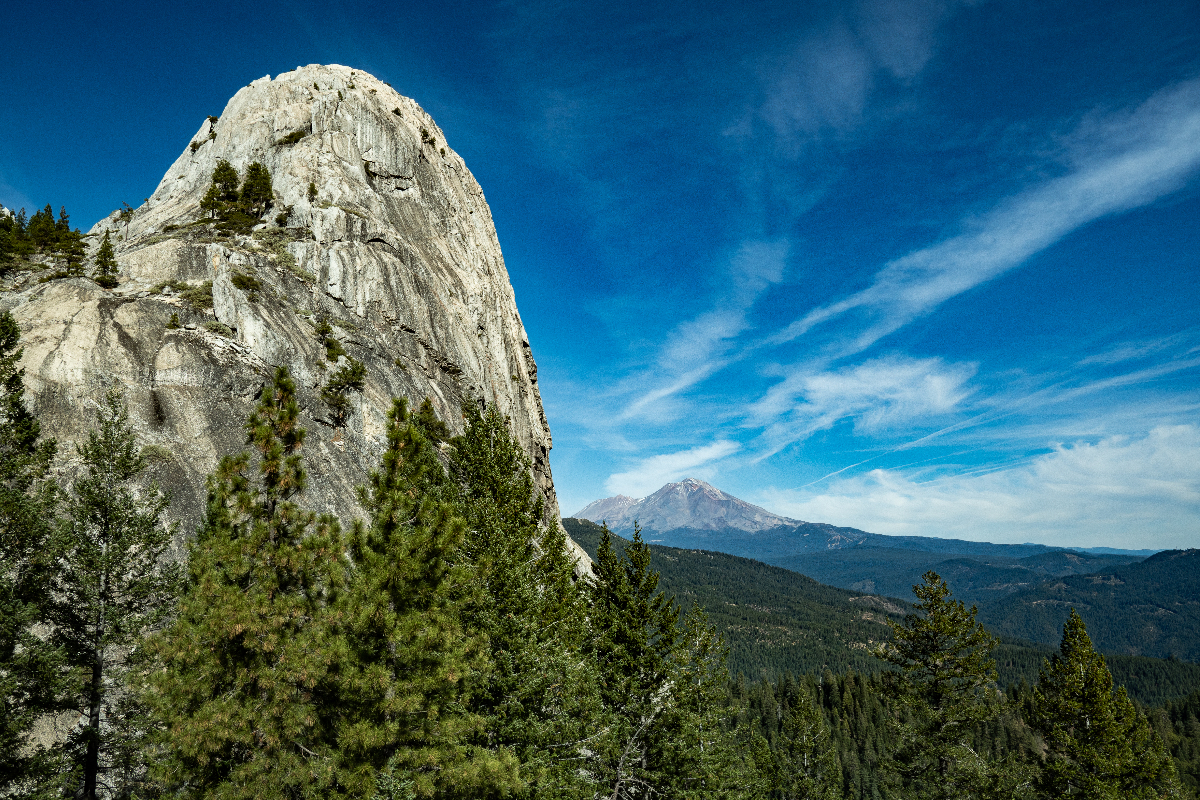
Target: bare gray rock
{"x": 381, "y": 229}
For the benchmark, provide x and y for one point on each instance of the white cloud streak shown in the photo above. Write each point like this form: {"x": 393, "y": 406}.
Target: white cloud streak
{"x": 699, "y": 347}
{"x": 1127, "y": 162}
{"x": 1122, "y": 161}
{"x": 1119, "y": 492}
{"x": 878, "y": 395}
{"x": 652, "y": 473}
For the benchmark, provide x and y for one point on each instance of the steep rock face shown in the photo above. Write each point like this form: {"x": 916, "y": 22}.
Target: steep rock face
{"x": 689, "y": 503}
{"x": 380, "y": 228}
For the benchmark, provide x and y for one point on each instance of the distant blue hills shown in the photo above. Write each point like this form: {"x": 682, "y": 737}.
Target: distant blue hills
{"x": 1135, "y": 602}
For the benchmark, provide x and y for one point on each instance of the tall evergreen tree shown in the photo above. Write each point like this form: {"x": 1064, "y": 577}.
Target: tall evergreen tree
{"x": 111, "y": 585}
{"x": 1099, "y": 745}
{"x": 408, "y": 683}
{"x": 540, "y": 699}
{"x": 225, "y": 180}
{"x": 691, "y": 747}
{"x": 106, "y": 264}
{"x": 62, "y": 227}
{"x": 256, "y": 193}
{"x": 247, "y": 689}
{"x": 211, "y": 203}
{"x": 30, "y": 667}
{"x": 41, "y": 228}
{"x": 945, "y": 685}
{"x": 632, "y": 640}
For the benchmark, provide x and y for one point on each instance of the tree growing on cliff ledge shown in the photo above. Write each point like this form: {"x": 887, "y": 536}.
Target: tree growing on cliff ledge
{"x": 106, "y": 264}
{"x": 336, "y": 392}
{"x": 256, "y": 193}
{"x": 238, "y": 205}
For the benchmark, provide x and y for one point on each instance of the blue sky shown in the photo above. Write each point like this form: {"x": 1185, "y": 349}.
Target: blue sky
{"x": 915, "y": 266}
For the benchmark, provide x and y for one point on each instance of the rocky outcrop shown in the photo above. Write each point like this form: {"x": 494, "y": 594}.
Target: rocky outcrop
{"x": 377, "y": 226}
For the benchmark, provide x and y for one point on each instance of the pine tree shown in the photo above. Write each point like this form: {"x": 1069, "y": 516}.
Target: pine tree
{"x": 434, "y": 429}
{"x": 1099, "y": 745}
{"x": 256, "y": 193}
{"x": 14, "y": 240}
{"x": 111, "y": 585}
{"x": 692, "y": 750}
{"x": 247, "y": 687}
{"x": 30, "y": 667}
{"x": 62, "y": 228}
{"x": 406, "y": 689}
{"x": 804, "y": 762}
{"x": 225, "y": 181}
{"x": 336, "y": 390}
{"x": 210, "y": 203}
{"x": 540, "y": 698}
{"x": 106, "y": 264}
{"x": 41, "y": 228}
{"x": 945, "y": 684}
{"x": 70, "y": 246}
{"x": 633, "y": 638}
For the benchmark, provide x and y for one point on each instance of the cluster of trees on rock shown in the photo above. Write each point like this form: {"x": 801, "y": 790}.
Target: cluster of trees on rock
{"x": 444, "y": 647}
{"x": 22, "y": 237}
{"x": 238, "y": 203}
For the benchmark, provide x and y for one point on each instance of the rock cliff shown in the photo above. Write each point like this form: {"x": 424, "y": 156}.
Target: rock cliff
{"x": 377, "y": 227}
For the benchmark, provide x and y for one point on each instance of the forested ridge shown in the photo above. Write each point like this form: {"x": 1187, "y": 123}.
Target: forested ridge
{"x": 443, "y": 646}
{"x": 1148, "y": 608}
{"x": 777, "y": 621}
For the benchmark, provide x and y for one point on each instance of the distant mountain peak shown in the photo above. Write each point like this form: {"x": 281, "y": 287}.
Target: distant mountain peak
{"x": 689, "y": 503}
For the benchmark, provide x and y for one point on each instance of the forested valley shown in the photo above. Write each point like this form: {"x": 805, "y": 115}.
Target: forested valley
{"x": 444, "y": 646}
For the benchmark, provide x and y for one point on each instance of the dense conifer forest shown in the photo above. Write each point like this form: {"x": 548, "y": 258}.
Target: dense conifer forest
{"x": 776, "y": 621}
{"x": 443, "y": 647}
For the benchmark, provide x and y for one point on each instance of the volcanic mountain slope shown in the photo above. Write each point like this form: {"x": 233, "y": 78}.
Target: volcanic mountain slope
{"x": 690, "y": 504}
{"x": 376, "y": 226}
{"x": 693, "y": 514}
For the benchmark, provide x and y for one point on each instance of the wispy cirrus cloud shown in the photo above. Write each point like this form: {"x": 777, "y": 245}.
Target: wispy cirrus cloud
{"x": 1121, "y": 491}
{"x": 1120, "y": 162}
{"x": 1114, "y": 163}
{"x": 1134, "y": 350}
{"x": 699, "y": 347}
{"x": 651, "y": 473}
{"x": 876, "y": 395}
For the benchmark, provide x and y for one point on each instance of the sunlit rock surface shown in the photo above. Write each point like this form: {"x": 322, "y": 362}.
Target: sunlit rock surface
{"x": 384, "y": 231}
